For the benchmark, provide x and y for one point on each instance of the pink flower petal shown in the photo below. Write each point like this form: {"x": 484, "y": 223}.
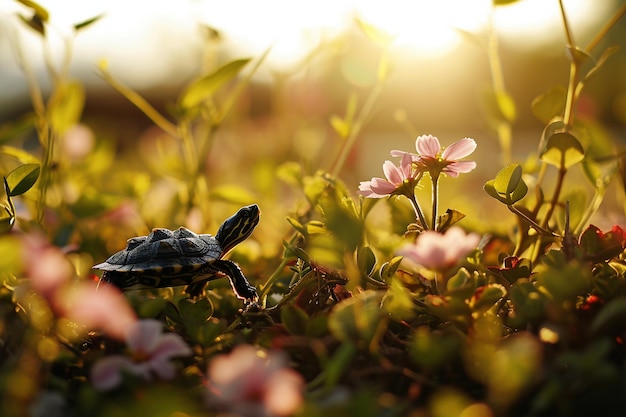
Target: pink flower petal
{"x": 107, "y": 372}
{"x": 392, "y": 173}
{"x": 459, "y": 167}
{"x": 381, "y": 187}
{"x": 170, "y": 345}
{"x": 459, "y": 149}
{"x": 428, "y": 145}
{"x": 144, "y": 335}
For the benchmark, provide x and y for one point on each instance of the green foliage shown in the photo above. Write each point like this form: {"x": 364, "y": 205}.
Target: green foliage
{"x": 529, "y": 322}
{"x": 508, "y": 186}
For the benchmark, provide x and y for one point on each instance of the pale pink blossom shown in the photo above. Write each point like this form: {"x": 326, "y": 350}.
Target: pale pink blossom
{"x": 433, "y": 158}
{"x": 45, "y": 265}
{"x": 150, "y": 354}
{"x": 251, "y": 382}
{"x": 101, "y": 308}
{"x": 397, "y": 178}
{"x": 439, "y": 252}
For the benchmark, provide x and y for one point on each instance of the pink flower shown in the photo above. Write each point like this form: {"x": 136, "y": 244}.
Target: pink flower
{"x": 431, "y": 158}
{"x": 103, "y": 308}
{"x": 400, "y": 180}
{"x": 250, "y": 382}
{"x": 439, "y": 252}
{"x": 151, "y": 352}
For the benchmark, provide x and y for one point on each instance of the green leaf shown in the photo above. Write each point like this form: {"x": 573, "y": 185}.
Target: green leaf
{"x": 39, "y": 10}
{"x": 562, "y": 150}
{"x": 600, "y": 63}
{"x": 486, "y": 296}
{"x": 290, "y": 172}
{"x": 294, "y": 319}
{"x": 88, "y": 22}
{"x": 66, "y": 106}
{"x": 449, "y": 218}
{"x": 197, "y": 312}
{"x": 22, "y": 178}
{"x": 576, "y": 55}
{"x": 388, "y": 269}
{"x": 398, "y": 301}
{"x": 508, "y": 179}
{"x": 297, "y": 225}
{"x": 35, "y": 23}
{"x": 366, "y": 260}
{"x": 340, "y": 126}
{"x": 204, "y": 88}
{"x": 21, "y": 155}
{"x": 499, "y": 107}
{"x": 508, "y": 186}
{"x": 315, "y": 227}
{"x": 611, "y": 318}
{"x": 549, "y": 104}
{"x": 356, "y": 319}
{"x": 7, "y": 221}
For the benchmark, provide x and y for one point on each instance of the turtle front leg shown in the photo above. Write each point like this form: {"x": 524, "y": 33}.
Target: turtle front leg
{"x": 241, "y": 287}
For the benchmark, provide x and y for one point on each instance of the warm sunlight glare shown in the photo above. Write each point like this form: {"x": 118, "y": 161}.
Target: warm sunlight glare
{"x": 426, "y": 27}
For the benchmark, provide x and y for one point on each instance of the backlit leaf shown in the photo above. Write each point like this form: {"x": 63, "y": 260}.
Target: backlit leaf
{"x": 22, "y": 178}
{"x": 204, "y": 88}
{"x": 366, "y": 260}
{"x": 562, "y": 150}
{"x": 88, "y": 22}
{"x": 357, "y": 318}
{"x": 508, "y": 179}
{"x": 549, "y": 104}
{"x": 66, "y": 106}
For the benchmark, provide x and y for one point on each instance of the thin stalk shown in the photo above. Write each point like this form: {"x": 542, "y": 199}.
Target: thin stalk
{"x": 555, "y": 196}
{"x": 435, "y": 182}
{"x": 356, "y": 128}
{"x": 270, "y": 281}
{"x": 46, "y": 135}
{"x": 191, "y": 160}
{"x": 597, "y": 199}
{"x": 418, "y": 211}
{"x": 439, "y": 283}
{"x": 606, "y": 28}
{"x": 503, "y": 130}
{"x": 141, "y": 104}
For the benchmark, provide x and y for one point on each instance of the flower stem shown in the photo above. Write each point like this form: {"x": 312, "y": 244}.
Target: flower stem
{"x": 418, "y": 211}
{"x": 356, "y": 128}
{"x": 270, "y": 281}
{"x": 555, "y": 196}
{"x": 435, "y": 181}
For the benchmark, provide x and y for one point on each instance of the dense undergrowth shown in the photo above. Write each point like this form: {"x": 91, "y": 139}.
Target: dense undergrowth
{"x": 372, "y": 302}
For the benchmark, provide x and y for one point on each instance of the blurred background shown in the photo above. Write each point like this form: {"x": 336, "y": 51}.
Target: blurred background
{"x": 317, "y": 61}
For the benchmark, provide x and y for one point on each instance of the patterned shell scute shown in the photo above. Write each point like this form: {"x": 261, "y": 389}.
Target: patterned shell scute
{"x": 165, "y": 249}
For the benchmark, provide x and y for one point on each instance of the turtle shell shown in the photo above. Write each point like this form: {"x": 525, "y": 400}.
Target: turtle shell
{"x": 166, "y": 252}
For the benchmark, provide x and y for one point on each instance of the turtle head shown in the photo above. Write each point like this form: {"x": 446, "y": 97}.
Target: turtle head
{"x": 238, "y": 227}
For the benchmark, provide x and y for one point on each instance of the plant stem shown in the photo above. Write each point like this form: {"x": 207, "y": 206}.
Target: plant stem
{"x": 418, "y": 211}
{"x": 555, "y": 196}
{"x": 270, "y": 281}
{"x": 606, "y": 28}
{"x": 356, "y": 128}
{"x": 141, "y": 104}
{"x": 435, "y": 182}
{"x": 503, "y": 130}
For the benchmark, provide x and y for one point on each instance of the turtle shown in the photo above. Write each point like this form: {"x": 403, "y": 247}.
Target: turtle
{"x": 168, "y": 258}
